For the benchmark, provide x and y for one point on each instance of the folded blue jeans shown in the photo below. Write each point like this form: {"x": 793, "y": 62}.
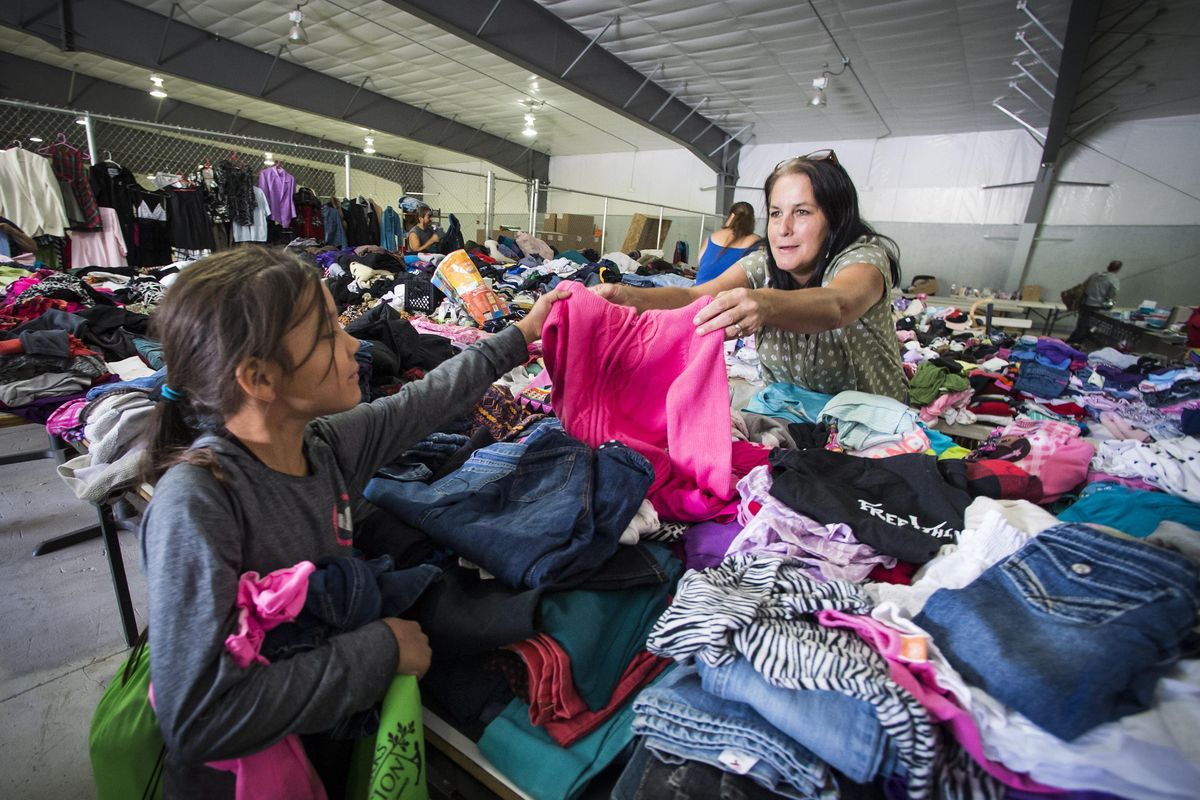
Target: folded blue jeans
{"x": 848, "y": 736}
{"x": 1073, "y": 630}
{"x": 681, "y": 721}
{"x": 534, "y": 512}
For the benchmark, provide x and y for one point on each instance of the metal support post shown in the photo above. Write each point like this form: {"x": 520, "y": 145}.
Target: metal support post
{"x": 91, "y": 138}
{"x": 267, "y": 79}
{"x": 659, "y": 239}
{"x": 638, "y": 90}
{"x": 1017, "y": 63}
{"x": 162, "y": 43}
{"x": 489, "y": 202}
{"x": 354, "y": 96}
{"x": 1024, "y": 6}
{"x": 488, "y": 18}
{"x": 1041, "y": 137}
{"x": 604, "y": 226}
{"x": 699, "y": 240}
{"x": 534, "y": 188}
{"x": 731, "y": 139}
{"x": 670, "y": 97}
{"x": 347, "y": 157}
{"x": 583, "y": 52}
{"x": 1020, "y": 37}
{"x": 695, "y": 108}
{"x": 1016, "y": 87}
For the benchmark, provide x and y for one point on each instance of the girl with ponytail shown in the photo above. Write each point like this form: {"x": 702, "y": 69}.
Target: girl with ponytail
{"x": 258, "y": 453}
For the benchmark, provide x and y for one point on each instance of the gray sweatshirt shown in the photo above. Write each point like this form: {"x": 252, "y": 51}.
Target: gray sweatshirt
{"x": 198, "y": 536}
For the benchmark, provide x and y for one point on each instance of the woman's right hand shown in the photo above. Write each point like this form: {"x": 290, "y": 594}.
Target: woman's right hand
{"x": 413, "y": 645}
{"x": 613, "y": 293}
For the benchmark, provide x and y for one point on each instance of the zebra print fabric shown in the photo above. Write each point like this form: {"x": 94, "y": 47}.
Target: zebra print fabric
{"x": 761, "y": 607}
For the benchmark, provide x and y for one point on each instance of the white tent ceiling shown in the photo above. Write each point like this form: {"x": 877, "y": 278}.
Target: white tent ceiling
{"x": 916, "y": 66}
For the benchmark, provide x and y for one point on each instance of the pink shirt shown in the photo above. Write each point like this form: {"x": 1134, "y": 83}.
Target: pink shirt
{"x": 648, "y": 381}
{"x": 905, "y": 659}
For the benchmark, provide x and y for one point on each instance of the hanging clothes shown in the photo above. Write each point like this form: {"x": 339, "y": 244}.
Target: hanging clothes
{"x": 235, "y": 187}
{"x": 29, "y": 193}
{"x": 392, "y": 230}
{"x": 152, "y": 239}
{"x": 115, "y": 187}
{"x": 69, "y": 165}
{"x": 256, "y": 231}
{"x": 309, "y": 222}
{"x": 335, "y": 231}
{"x": 187, "y": 220}
{"x": 279, "y": 185}
{"x": 102, "y": 248}
{"x": 357, "y": 214}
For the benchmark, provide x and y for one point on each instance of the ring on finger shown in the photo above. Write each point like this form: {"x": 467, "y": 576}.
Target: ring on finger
{"x": 738, "y": 326}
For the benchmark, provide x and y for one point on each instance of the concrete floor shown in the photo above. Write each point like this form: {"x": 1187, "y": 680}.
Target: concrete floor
{"x": 60, "y": 637}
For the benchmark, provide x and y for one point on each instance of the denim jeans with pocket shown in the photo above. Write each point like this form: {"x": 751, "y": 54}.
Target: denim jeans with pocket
{"x": 682, "y": 722}
{"x": 646, "y": 777}
{"x": 848, "y": 736}
{"x": 1072, "y": 630}
{"x": 534, "y": 512}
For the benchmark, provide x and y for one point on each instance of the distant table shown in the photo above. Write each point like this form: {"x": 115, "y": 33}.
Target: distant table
{"x": 1048, "y": 312}
{"x": 1126, "y": 334}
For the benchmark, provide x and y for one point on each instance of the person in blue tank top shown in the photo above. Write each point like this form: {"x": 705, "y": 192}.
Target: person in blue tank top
{"x": 728, "y": 245}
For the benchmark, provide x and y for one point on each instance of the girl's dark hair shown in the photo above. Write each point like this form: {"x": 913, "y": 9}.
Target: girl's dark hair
{"x": 222, "y": 310}
{"x": 835, "y": 194}
{"x": 742, "y": 223}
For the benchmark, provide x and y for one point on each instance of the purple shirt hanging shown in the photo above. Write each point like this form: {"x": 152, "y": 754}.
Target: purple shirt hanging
{"x": 279, "y": 185}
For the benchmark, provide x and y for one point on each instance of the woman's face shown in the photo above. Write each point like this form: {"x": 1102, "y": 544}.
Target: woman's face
{"x": 796, "y": 225}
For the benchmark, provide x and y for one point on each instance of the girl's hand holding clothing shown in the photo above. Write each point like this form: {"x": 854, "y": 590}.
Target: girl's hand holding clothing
{"x": 531, "y": 326}
{"x": 414, "y": 647}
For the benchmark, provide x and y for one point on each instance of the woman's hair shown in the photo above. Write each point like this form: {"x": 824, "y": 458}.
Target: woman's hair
{"x": 222, "y": 310}
{"x": 742, "y": 223}
{"x": 835, "y": 194}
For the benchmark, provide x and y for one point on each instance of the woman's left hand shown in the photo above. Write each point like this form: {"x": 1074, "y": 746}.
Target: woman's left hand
{"x": 739, "y": 312}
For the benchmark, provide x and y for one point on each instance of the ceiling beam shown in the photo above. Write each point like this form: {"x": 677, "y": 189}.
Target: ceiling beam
{"x": 1081, "y": 26}
{"x": 119, "y": 30}
{"x": 526, "y": 34}
{"x": 48, "y": 85}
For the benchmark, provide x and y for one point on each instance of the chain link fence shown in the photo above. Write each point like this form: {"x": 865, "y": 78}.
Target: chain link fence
{"x": 566, "y": 218}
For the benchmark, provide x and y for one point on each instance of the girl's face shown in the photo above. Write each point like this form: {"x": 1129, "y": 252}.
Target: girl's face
{"x": 325, "y": 379}
{"x": 796, "y": 225}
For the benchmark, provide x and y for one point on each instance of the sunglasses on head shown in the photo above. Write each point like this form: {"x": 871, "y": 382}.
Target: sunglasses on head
{"x": 817, "y": 155}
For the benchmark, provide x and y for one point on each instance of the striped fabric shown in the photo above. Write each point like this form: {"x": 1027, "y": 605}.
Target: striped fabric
{"x": 761, "y": 607}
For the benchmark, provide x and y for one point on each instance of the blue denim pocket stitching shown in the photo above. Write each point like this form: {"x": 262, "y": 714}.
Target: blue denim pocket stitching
{"x": 1022, "y": 571}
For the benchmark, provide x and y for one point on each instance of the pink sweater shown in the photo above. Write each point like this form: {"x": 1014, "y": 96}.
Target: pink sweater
{"x": 651, "y": 383}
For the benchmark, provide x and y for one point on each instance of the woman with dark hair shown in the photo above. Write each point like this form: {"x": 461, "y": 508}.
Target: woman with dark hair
{"x": 733, "y": 242}
{"x": 818, "y": 297}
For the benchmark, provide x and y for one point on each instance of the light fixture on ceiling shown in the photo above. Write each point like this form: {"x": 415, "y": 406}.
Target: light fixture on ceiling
{"x": 530, "y": 128}
{"x": 81, "y": 120}
{"x": 816, "y": 97}
{"x": 35, "y": 138}
{"x": 158, "y": 90}
{"x": 369, "y": 144}
{"x": 296, "y": 34}
{"x": 268, "y": 160}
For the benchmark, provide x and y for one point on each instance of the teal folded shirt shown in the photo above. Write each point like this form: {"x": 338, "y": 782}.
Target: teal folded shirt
{"x": 1133, "y": 511}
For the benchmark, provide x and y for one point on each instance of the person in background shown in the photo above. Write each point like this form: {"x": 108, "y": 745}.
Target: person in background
{"x": 424, "y": 236}
{"x": 818, "y": 297}
{"x": 730, "y": 244}
{"x": 1099, "y": 294}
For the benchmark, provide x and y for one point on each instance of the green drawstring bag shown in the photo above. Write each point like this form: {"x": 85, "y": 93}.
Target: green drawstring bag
{"x": 392, "y": 765}
{"x": 124, "y": 742}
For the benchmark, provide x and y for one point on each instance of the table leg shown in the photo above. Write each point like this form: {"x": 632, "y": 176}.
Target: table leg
{"x": 116, "y": 566}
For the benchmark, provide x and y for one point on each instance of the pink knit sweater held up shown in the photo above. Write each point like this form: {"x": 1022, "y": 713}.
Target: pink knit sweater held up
{"x": 649, "y": 382}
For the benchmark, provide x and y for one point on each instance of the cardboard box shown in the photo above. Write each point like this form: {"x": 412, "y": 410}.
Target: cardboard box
{"x": 643, "y": 234}
{"x": 549, "y": 223}
{"x": 1031, "y": 292}
{"x": 576, "y": 224}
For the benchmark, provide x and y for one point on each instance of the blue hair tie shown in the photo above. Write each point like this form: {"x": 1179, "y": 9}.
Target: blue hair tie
{"x": 170, "y": 394}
